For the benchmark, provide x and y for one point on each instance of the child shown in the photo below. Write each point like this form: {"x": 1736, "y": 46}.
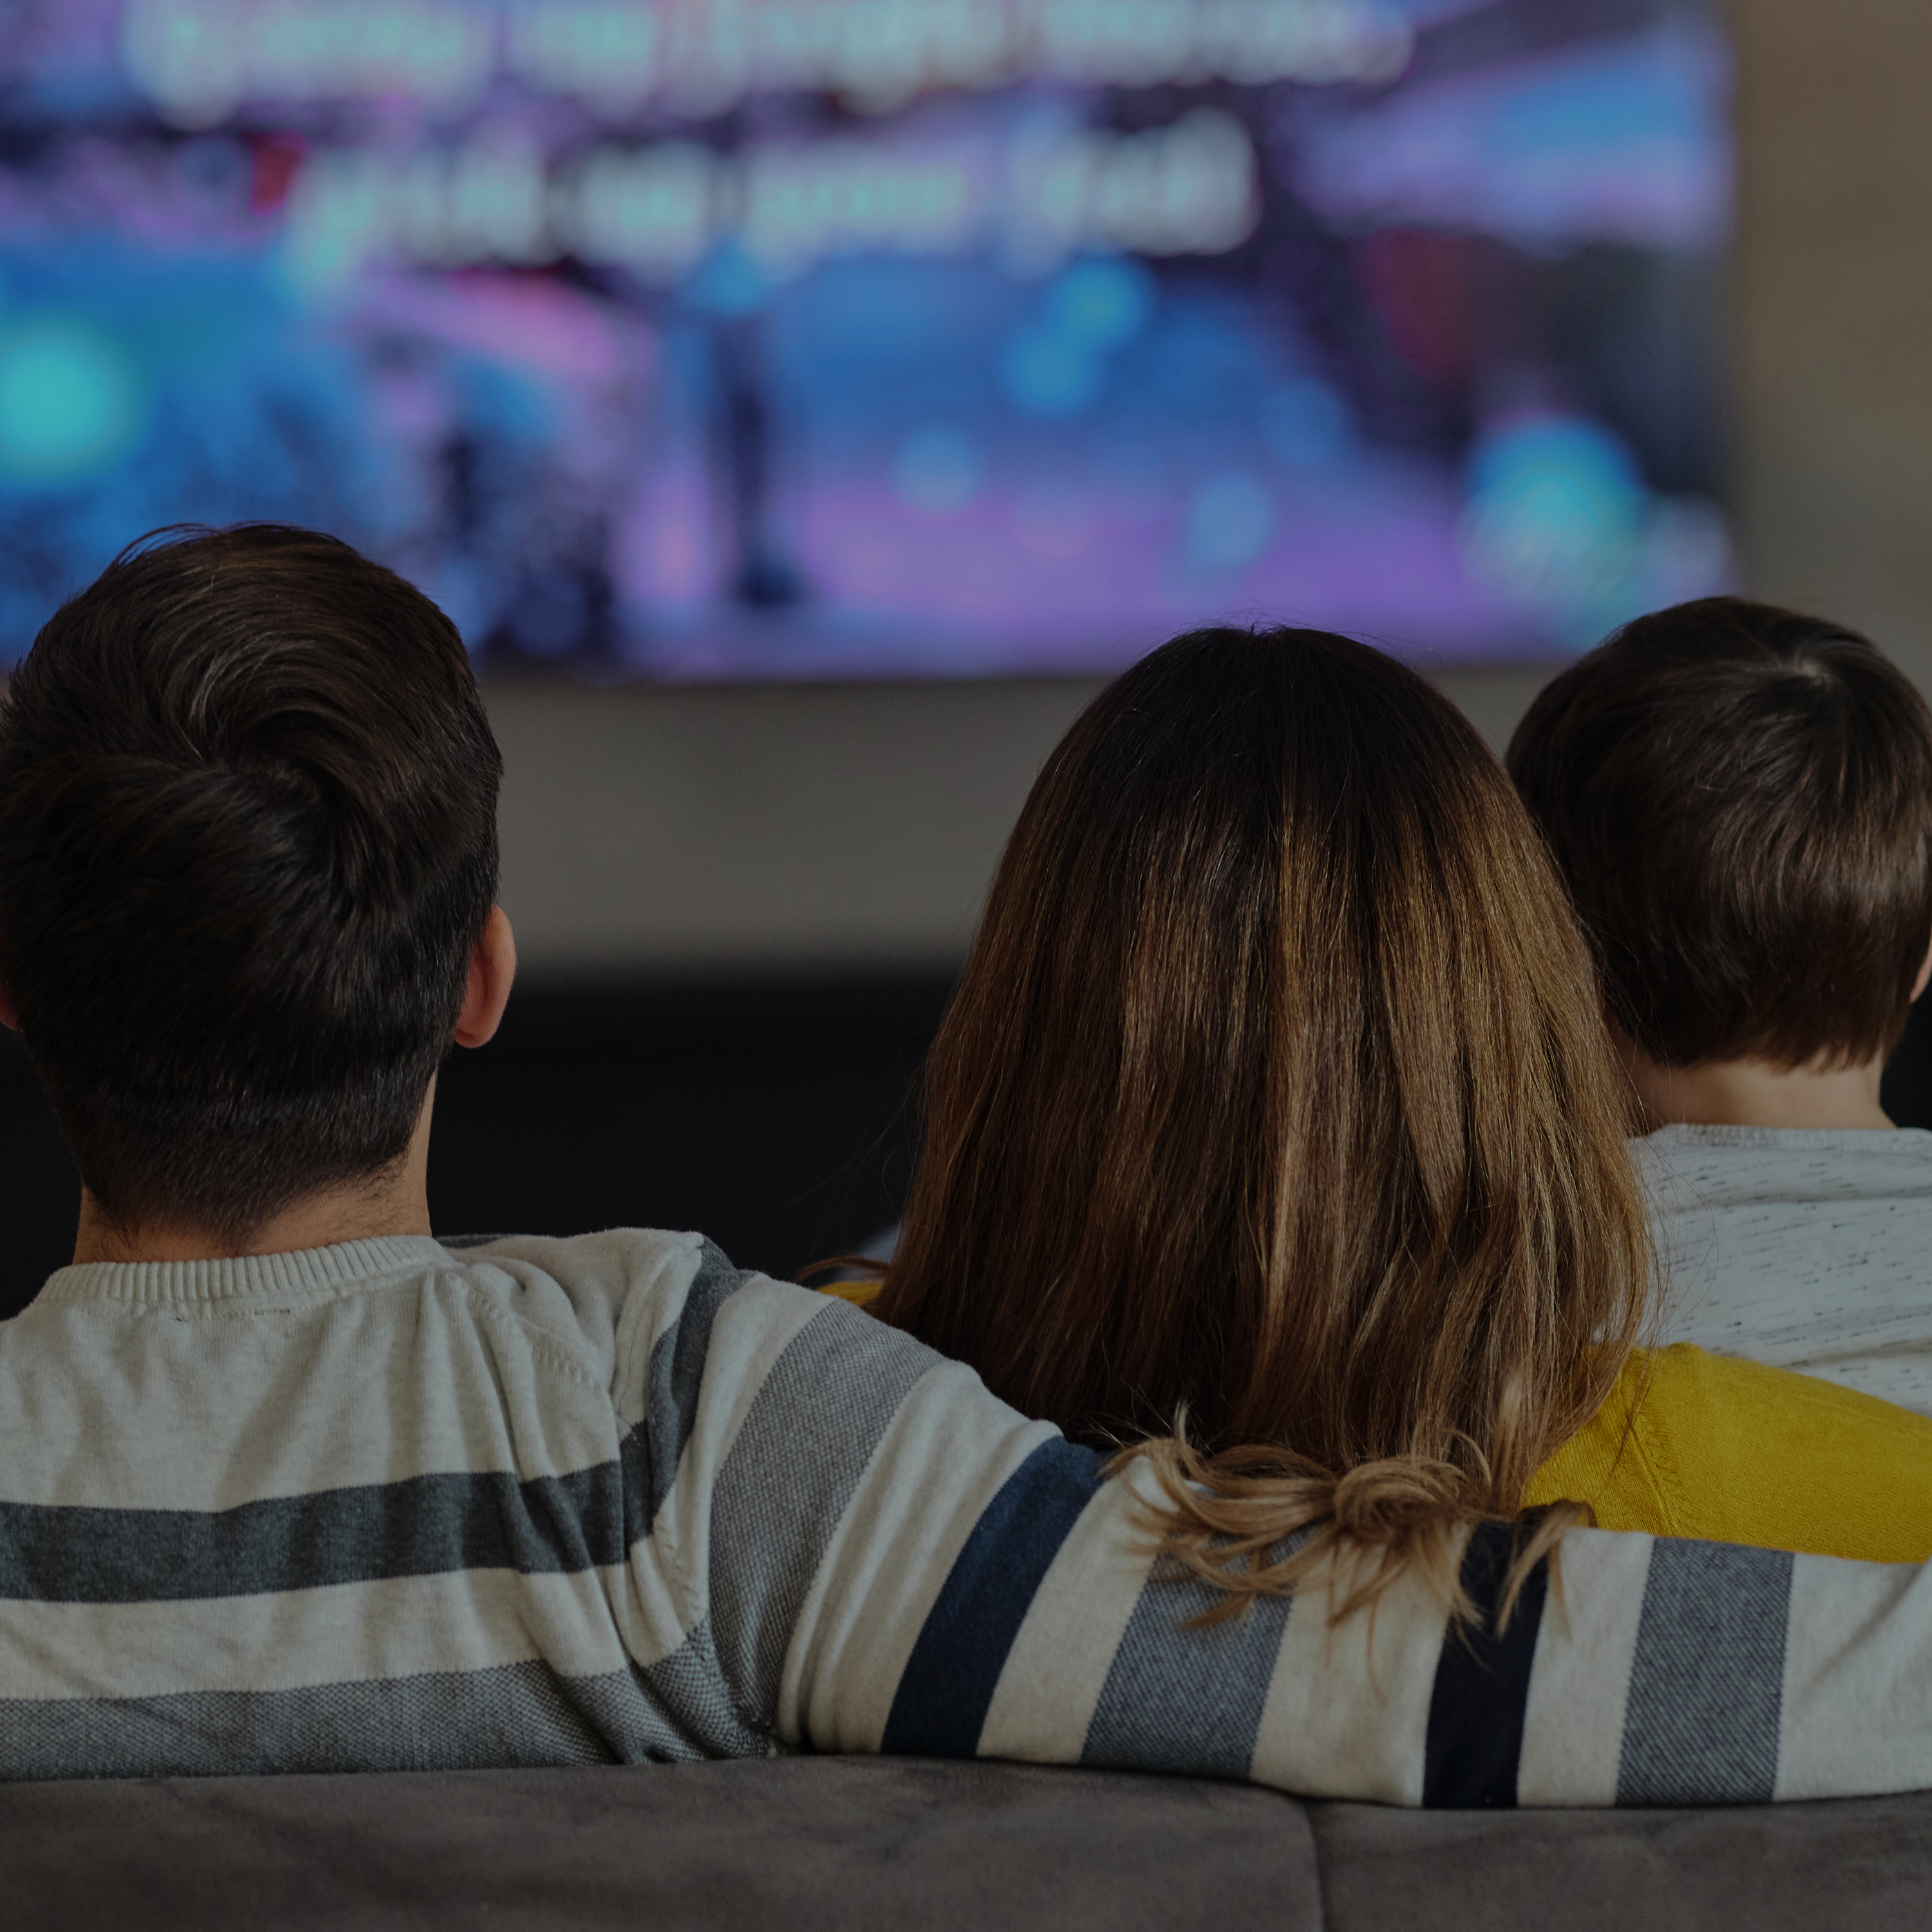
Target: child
{"x": 1740, "y": 799}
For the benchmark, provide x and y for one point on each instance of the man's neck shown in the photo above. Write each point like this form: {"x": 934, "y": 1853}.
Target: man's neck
{"x": 393, "y": 1200}
{"x": 1749, "y": 1094}
{"x": 320, "y": 1221}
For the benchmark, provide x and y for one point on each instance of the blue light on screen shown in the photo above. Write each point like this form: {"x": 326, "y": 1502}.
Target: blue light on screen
{"x": 750, "y": 338}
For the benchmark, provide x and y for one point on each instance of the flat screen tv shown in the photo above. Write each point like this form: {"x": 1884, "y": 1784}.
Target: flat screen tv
{"x": 783, "y": 339}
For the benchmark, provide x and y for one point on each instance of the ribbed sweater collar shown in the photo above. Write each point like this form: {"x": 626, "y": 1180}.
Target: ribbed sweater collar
{"x": 321, "y": 1272}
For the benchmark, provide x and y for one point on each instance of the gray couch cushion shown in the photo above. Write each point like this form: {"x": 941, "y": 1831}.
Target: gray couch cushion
{"x": 865, "y": 1842}
{"x": 790, "y": 1843}
{"x": 1856, "y": 1863}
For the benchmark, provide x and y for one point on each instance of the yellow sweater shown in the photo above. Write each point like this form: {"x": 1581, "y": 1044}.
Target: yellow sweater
{"x": 1699, "y": 1445}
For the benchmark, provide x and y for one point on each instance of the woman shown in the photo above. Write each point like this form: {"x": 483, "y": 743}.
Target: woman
{"x": 1273, "y": 1130}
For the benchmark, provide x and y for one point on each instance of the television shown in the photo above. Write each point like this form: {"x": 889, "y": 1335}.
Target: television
{"x": 704, "y": 339}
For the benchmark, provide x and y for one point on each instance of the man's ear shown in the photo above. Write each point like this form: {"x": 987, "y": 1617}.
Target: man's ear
{"x": 493, "y": 966}
{"x": 1918, "y": 985}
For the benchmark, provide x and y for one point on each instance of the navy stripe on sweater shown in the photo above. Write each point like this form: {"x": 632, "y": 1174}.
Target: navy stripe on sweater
{"x": 1474, "y": 1745}
{"x": 939, "y": 1707}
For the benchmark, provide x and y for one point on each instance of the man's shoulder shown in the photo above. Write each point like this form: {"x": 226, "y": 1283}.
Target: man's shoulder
{"x": 614, "y": 1297}
{"x": 630, "y": 1256}
{"x": 616, "y": 1289}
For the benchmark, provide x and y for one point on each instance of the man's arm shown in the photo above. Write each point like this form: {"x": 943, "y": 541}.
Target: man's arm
{"x": 896, "y": 1561}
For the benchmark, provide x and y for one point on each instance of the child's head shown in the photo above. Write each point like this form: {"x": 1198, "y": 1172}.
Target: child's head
{"x": 247, "y": 842}
{"x": 1741, "y": 800}
{"x": 1276, "y": 1088}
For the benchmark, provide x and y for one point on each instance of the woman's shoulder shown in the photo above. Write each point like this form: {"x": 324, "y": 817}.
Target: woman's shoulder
{"x": 1735, "y": 1452}
{"x": 1707, "y": 1395}
{"x": 860, "y": 1293}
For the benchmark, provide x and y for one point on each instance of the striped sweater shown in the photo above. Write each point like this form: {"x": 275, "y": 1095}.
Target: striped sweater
{"x": 385, "y": 1505}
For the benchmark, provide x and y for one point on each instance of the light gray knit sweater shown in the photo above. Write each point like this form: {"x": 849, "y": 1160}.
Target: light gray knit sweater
{"x": 1803, "y": 1250}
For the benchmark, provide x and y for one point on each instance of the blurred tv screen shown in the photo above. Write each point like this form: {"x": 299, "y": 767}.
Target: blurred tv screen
{"x": 720, "y": 339}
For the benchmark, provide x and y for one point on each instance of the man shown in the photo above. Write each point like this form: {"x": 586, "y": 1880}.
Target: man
{"x": 285, "y": 1484}
{"x": 1740, "y": 799}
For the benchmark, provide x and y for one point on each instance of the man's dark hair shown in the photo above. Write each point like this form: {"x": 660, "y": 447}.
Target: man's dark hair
{"x": 247, "y": 844}
{"x": 1740, "y": 799}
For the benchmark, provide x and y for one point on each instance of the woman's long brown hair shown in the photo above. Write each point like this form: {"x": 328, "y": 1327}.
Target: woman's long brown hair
{"x": 1273, "y": 1129}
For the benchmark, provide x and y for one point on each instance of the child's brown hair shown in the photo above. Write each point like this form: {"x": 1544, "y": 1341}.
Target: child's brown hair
{"x": 1740, "y": 798}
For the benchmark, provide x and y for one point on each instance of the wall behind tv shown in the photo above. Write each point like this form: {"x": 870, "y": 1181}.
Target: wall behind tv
{"x": 1831, "y": 313}
{"x": 814, "y": 829}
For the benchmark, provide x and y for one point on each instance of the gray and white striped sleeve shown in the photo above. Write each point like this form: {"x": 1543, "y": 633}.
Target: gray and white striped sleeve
{"x": 898, "y": 1562}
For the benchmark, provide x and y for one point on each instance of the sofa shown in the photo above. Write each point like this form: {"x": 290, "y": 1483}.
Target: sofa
{"x": 807, "y": 1842}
